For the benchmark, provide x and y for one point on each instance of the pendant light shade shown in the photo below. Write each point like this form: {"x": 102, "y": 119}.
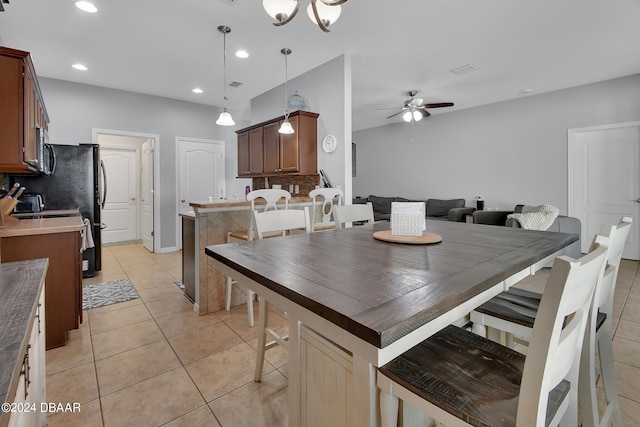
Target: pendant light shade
{"x": 280, "y": 10}
{"x": 225, "y": 118}
{"x": 286, "y": 127}
{"x": 328, "y": 14}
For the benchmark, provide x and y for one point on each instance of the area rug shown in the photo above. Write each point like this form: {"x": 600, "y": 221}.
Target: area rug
{"x": 102, "y": 294}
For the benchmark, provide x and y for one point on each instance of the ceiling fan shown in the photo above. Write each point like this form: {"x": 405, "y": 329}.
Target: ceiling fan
{"x": 414, "y": 109}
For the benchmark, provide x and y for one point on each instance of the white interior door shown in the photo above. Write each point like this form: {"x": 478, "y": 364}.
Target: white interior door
{"x": 120, "y": 213}
{"x": 147, "y": 195}
{"x": 200, "y": 173}
{"x": 604, "y": 180}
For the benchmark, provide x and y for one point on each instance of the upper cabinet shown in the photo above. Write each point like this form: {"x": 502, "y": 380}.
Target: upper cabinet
{"x": 262, "y": 151}
{"x": 23, "y": 116}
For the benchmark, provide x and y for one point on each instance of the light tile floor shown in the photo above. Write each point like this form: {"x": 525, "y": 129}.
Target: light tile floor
{"x": 153, "y": 362}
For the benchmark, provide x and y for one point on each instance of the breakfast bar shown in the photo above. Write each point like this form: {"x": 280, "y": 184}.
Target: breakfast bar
{"x": 354, "y": 303}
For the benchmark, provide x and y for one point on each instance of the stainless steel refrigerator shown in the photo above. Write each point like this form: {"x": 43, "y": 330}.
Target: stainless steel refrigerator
{"x": 76, "y": 183}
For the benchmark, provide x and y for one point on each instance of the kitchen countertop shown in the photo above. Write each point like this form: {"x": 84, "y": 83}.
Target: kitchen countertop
{"x": 27, "y": 227}
{"x": 20, "y": 284}
{"x": 241, "y": 203}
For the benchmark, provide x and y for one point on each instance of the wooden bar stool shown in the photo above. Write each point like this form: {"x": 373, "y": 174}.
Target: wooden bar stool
{"x": 325, "y": 205}
{"x": 271, "y": 197}
{"x": 461, "y": 379}
{"x": 281, "y": 222}
{"x": 514, "y": 311}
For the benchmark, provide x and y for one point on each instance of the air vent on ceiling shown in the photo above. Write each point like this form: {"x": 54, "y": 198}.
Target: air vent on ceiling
{"x": 464, "y": 69}
{"x": 235, "y": 84}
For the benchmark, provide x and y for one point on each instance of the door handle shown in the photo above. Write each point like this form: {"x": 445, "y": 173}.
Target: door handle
{"x": 636, "y": 200}
{"x": 183, "y": 200}
{"x": 133, "y": 199}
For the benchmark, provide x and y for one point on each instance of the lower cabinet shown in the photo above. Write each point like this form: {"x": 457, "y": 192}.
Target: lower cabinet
{"x": 326, "y": 372}
{"x": 31, "y": 390}
{"x": 63, "y": 279}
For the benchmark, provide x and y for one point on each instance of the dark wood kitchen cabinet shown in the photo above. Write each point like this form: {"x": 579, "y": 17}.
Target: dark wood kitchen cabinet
{"x": 63, "y": 292}
{"x": 279, "y": 153}
{"x": 22, "y": 113}
{"x": 250, "y": 152}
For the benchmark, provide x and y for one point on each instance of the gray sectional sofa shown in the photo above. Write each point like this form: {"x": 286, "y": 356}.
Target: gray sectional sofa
{"x": 563, "y": 224}
{"x": 438, "y": 209}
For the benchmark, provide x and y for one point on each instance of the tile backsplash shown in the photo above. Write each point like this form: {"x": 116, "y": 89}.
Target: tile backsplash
{"x": 305, "y": 183}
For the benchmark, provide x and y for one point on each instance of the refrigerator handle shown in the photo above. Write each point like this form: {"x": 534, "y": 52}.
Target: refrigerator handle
{"x": 104, "y": 184}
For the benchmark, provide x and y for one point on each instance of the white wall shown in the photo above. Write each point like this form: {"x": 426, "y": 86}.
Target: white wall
{"x": 327, "y": 91}
{"x": 509, "y": 152}
{"x": 75, "y": 109}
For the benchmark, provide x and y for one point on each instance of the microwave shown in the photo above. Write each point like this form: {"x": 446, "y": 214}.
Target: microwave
{"x": 46, "y": 152}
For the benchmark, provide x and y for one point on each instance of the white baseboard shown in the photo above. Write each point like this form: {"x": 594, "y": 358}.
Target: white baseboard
{"x": 168, "y": 250}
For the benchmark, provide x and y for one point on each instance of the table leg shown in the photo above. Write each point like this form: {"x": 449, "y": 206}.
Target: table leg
{"x": 294, "y": 371}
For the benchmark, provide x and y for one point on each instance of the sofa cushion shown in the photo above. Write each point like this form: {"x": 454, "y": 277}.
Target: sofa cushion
{"x": 381, "y": 205}
{"x": 439, "y": 207}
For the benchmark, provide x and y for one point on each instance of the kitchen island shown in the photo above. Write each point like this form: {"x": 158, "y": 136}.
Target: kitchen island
{"x": 59, "y": 240}
{"x": 206, "y": 225}
{"x": 354, "y": 303}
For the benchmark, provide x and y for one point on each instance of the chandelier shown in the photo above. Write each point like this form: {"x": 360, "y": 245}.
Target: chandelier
{"x": 321, "y": 12}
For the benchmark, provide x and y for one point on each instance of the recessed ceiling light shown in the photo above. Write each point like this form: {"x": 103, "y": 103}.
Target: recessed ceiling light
{"x": 86, "y": 6}
{"x": 242, "y": 54}
{"x": 197, "y": 90}
{"x": 80, "y": 67}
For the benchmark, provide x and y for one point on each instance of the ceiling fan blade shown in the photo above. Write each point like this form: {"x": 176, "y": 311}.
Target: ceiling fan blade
{"x": 395, "y": 114}
{"x": 439, "y": 105}
{"x": 424, "y": 112}
{"x": 390, "y": 108}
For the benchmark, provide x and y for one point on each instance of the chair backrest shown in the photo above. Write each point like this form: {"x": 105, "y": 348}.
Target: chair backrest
{"x": 350, "y": 213}
{"x": 271, "y": 196}
{"x": 555, "y": 345}
{"x": 281, "y": 221}
{"x": 325, "y": 204}
{"x": 604, "y": 299}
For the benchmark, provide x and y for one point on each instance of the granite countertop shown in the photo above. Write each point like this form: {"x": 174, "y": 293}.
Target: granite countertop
{"x": 241, "y": 203}
{"x": 20, "y": 286}
{"x": 28, "y": 227}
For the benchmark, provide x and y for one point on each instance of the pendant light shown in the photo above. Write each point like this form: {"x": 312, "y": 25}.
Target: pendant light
{"x": 286, "y": 127}
{"x": 225, "y": 118}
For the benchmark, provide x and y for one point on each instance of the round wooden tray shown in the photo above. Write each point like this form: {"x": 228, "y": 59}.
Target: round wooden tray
{"x": 426, "y": 238}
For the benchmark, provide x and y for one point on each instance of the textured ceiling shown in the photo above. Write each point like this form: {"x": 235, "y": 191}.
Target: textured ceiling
{"x": 167, "y": 48}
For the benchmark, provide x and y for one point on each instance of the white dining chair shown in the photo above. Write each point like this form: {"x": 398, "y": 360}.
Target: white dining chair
{"x": 514, "y": 312}
{"x": 271, "y": 197}
{"x": 322, "y": 202}
{"x": 460, "y": 378}
{"x": 343, "y": 215}
{"x": 282, "y": 222}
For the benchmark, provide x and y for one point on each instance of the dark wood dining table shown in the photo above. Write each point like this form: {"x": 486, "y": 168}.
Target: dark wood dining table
{"x": 370, "y": 300}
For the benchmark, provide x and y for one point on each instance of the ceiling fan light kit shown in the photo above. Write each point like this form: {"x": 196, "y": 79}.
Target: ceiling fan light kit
{"x": 225, "y": 118}
{"x": 415, "y": 110}
{"x": 321, "y": 12}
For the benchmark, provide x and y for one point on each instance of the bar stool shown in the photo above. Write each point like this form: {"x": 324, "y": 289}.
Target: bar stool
{"x": 461, "y": 378}
{"x": 325, "y": 205}
{"x": 514, "y": 312}
{"x": 282, "y": 222}
{"x": 271, "y": 197}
